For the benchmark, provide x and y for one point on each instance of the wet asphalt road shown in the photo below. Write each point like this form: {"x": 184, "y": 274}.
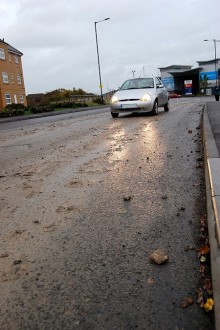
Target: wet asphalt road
{"x": 74, "y": 254}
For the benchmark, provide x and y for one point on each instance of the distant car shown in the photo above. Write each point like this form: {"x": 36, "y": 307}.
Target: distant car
{"x": 140, "y": 95}
{"x": 173, "y": 95}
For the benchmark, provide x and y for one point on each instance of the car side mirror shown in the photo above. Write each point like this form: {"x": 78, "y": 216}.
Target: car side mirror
{"x": 159, "y": 86}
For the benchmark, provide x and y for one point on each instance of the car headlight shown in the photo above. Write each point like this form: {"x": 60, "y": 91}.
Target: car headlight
{"x": 145, "y": 97}
{"x": 114, "y": 99}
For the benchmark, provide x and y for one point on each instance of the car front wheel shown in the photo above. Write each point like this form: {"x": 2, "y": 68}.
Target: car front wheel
{"x": 154, "y": 111}
{"x": 114, "y": 115}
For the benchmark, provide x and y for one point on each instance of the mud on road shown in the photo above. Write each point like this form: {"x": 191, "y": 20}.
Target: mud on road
{"x": 84, "y": 202}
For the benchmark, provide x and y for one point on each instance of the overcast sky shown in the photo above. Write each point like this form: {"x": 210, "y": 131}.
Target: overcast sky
{"x": 57, "y": 38}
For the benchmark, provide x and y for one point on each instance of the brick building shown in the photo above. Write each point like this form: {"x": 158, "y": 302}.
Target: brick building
{"x": 12, "y": 89}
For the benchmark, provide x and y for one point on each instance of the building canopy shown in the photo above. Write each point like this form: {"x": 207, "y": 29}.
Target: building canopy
{"x": 186, "y": 73}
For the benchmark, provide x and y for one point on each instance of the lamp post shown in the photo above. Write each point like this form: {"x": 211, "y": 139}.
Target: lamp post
{"x": 97, "y": 47}
{"x": 133, "y": 71}
{"x": 216, "y": 72}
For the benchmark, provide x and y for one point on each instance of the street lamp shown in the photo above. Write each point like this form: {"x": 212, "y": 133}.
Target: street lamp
{"x": 133, "y": 71}
{"x": 216, "y": 72}
{"x": 100, "y": 79}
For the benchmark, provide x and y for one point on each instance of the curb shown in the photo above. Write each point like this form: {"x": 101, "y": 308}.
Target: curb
{"x": 212, "y": 178}
{"x": 48, "y": 114}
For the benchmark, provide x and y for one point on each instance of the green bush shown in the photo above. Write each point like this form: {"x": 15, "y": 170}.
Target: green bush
{"x": 72, "y": 105}
{"x": 97, "y": 100}
{"x": 19, "y": 109}
{"x": 42, "y": 108}
{"x": 15, "y": 106}
{"x": 12, "y": 110}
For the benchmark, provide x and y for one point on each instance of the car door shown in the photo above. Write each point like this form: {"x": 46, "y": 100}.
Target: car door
{"x": 163, "y": 92}
{"x": 160, "y": 89}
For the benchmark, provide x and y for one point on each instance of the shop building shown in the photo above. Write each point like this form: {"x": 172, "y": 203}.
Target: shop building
{"x": 185, "y": 80}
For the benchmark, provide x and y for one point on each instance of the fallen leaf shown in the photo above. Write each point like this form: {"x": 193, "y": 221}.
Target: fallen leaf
{"x": 204, "y": 250}
{"x": 208, "y": 286}
{"x": 203, "y": 259}
{"x": 203, "y": 239}
{"x": 203, "y": 221}
{"x": 208, "y": 306}
{"x": 187, "y": 301}
{"x": 201, "y": 268}
{"x": 159, "y": 257}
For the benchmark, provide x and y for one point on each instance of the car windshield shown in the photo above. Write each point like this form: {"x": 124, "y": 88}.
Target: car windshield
{"x": 138, "y": 83}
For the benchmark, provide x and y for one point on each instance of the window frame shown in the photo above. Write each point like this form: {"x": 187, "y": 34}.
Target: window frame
{"x": 158, "y": 82}
{"x": 19, "y": 79}
{"x": 2, "y": 54}
{"x": 8, "y": 98}
{"x": 5, "y": 78}
{"x": 16, "y": 59}
{"x": 21, "y": 98}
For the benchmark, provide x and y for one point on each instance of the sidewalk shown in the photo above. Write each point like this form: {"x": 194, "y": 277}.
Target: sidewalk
{"x": 211, "y": 140}
{"x": 51, "y": 113}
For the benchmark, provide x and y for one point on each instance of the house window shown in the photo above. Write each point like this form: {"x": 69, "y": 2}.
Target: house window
{"x": 5, "y": 77}
{"x": 19, "y": 79}
{"x": 21, "y": 98}
{"x": 2, "y": 54}
{"x": 12, "y": 78}
{"x": 8, "y": 98}
{"x": 16, "y": 59}
{"x": 9, "y": 57}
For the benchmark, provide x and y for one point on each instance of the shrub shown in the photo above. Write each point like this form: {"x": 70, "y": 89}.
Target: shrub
{"x": 42, "y": 108}
{"x": 65, "y": 105}
{"x": 97, "y": 100}
{"x": 82, "y": 105}
{"x": 70, "y": 104}
{"x": 15, "y": 106}
{"x": 12, "y": 110}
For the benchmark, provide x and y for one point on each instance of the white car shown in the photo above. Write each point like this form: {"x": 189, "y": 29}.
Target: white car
{"x": 140, "y": 95}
